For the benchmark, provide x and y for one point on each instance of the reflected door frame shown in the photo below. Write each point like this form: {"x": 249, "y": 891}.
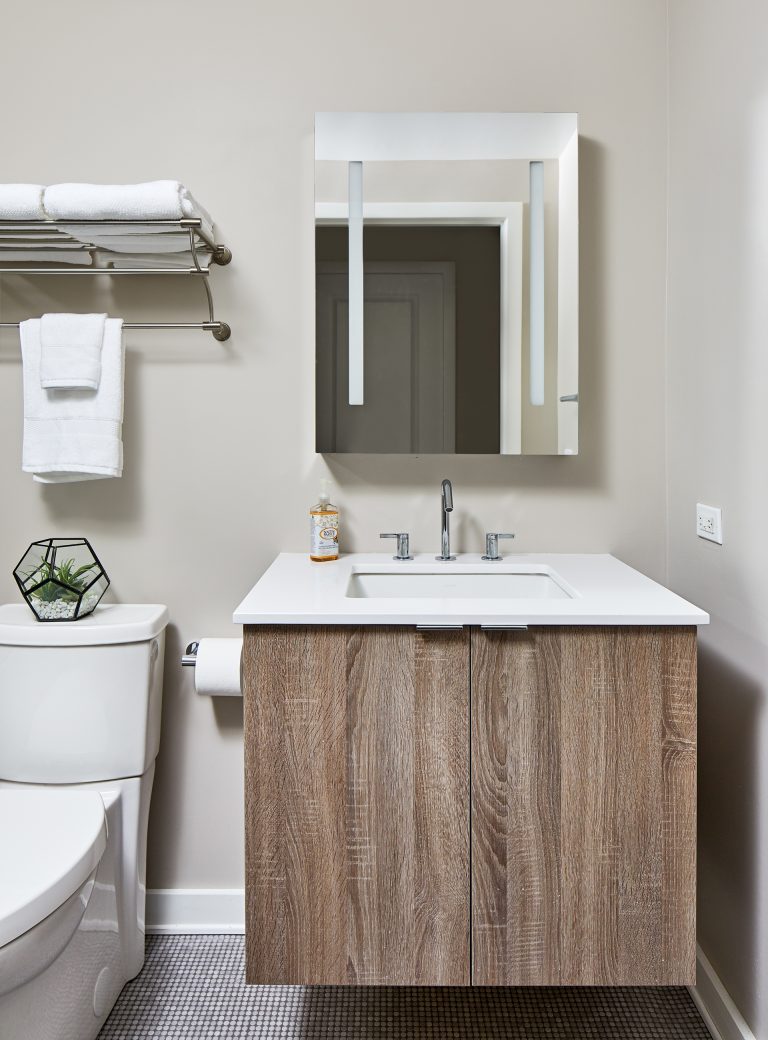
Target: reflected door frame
{"x": 508, "y": 217}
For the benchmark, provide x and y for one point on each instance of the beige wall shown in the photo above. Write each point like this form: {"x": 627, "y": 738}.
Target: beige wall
{"x": 718, "y": 434}
{"x": 220, "y": 467}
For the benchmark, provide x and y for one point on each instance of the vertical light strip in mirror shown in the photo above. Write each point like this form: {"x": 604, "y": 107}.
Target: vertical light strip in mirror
{"x": 356, "y": 289}
{"x": 536, "y": 278}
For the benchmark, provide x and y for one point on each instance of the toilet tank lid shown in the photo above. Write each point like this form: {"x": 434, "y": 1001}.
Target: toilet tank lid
{"x": 109, "y": 623}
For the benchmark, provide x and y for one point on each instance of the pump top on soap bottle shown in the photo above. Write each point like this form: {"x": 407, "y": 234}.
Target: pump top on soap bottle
{"x": 324, "y": 527}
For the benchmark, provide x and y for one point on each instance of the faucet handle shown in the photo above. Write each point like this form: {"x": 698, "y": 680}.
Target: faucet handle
{"x": 403, "y": 544}
{"x": 492, "y": 544}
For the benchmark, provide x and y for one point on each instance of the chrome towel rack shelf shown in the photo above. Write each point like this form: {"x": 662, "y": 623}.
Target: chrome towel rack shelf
{"x": 70, "y": 239}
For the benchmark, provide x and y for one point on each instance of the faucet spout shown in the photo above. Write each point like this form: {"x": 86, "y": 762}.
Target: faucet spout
{"x": 446, "y": 507}
{"x": 447, "y": 492}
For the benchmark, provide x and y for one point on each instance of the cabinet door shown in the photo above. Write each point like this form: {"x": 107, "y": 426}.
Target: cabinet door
{"x": 357, "y": 805}
{"x": 583, "y": 806}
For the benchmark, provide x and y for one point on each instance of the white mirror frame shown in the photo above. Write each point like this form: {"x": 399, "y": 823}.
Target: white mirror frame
{"x": 418, "y": 136}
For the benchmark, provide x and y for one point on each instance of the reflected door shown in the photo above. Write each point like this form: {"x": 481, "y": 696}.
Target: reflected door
{"x": 410, "y": 343}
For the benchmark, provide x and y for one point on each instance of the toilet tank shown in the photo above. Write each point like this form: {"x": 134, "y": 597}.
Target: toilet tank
{"x": 80, "y": 700}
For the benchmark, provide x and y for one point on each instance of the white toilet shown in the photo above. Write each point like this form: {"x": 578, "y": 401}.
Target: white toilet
{"x": 79, "y": 733}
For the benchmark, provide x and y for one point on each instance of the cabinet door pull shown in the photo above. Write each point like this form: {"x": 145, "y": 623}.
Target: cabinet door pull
{"x": 439, "y": 628}
{"x": 504, "y": 628}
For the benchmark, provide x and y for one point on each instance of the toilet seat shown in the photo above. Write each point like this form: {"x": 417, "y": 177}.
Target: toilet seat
{"x": 53, "y": 840}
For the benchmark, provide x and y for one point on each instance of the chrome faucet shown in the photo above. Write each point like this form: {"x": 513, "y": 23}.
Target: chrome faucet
{"x": 446, "y": 507}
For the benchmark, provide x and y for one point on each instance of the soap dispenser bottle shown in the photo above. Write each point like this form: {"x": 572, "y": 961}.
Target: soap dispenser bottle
{"x": 324, "y": 528}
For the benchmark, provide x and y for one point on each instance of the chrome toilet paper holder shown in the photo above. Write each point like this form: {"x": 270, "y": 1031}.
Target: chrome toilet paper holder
{"x": 189, "y": 658}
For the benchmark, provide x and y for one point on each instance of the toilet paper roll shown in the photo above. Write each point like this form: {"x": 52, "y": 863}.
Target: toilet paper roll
{"x": 217, "y": 671}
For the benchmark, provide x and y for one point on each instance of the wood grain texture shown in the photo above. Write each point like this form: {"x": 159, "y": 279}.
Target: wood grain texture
{"x": 357, "y": 806}
{"x": 583, "y": 806}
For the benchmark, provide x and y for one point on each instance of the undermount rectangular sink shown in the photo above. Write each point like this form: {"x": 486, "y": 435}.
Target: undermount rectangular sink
{"x": 449, "y": 584}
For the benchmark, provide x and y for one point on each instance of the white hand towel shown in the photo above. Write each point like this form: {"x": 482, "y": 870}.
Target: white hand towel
{"x": 70, "y": 350}
{"x": 21, "y": 202}
{"x": 152, "y": 200}
{"x": 73, "y": 434}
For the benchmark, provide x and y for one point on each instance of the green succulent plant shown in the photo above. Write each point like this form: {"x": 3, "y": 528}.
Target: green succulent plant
{"x": 66, "y": 574}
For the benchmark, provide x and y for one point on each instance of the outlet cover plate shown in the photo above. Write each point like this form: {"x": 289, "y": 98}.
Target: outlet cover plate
{"x": 709, "y": 523}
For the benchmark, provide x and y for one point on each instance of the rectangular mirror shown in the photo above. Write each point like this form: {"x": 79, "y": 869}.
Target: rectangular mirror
{"x": 446, "y": 281}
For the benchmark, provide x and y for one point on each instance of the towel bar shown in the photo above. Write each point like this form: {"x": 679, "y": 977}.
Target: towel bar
{"x": 221, "y": 331}
{"x": 101, "y": 270}
{"x": 200, "y": 243}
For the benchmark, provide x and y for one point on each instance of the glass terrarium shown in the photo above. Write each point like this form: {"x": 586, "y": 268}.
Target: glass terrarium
{"x": 61, "y": 579}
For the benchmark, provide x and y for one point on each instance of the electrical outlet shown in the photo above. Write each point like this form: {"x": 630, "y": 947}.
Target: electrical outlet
{"x": 709, "y": 523}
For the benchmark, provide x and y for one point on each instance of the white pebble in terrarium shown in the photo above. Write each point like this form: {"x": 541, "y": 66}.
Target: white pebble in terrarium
{"x": 56, "y": 610}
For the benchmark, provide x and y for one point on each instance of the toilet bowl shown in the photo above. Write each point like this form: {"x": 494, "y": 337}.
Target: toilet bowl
{"x": 55, "y": 840}
{"x": 79, "y": 733}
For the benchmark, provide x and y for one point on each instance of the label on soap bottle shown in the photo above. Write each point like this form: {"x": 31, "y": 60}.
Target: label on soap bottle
{"x": 324, "y": 535}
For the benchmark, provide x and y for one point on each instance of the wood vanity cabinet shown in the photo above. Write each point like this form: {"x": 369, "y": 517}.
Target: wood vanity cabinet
{"x": 470, "y": 807}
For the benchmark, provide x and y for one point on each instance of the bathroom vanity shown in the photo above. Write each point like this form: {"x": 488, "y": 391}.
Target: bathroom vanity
{"x": 469, "y": 773}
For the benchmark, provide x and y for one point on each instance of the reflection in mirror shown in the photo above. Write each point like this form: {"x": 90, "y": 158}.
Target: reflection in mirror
{"x": 446, "y": 283}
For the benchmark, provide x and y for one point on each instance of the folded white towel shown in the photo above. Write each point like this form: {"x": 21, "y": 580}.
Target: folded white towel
{"x": 174, "y": 242}
{"x": 73, "y": 434}
{"x": 21, "y": 202}
{"x": 148, "y": 261}
{"x": 70, "y": 350}
{"x": 152, "y": 200}
{"x": 19, "y": 240}
{"x": 84, "y": 232}
{"x": 48, "y": 256}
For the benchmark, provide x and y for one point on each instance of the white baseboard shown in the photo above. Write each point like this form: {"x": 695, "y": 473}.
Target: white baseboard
{"x": 186, "y": 911}
{"x": 722, "y": 1017}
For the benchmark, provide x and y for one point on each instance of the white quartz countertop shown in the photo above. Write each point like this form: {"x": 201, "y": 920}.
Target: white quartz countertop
{"x": 591, "y": 589}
